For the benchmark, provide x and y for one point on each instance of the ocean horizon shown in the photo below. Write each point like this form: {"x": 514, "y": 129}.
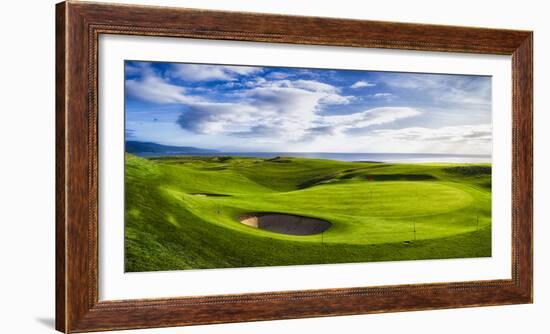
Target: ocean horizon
{"x": 374, "y": 157}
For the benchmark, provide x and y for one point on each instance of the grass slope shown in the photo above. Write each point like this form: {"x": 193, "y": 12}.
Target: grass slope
{"x": 177, "y": 218}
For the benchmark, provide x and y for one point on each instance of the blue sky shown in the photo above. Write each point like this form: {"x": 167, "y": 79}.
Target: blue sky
{"x": 281, "y": 109}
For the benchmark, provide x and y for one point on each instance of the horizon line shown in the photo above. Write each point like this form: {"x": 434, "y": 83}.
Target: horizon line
{"x": 325, "y": 152}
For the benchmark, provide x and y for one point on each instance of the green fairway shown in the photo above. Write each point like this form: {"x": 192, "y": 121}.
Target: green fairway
{"x": 183, "y": 212}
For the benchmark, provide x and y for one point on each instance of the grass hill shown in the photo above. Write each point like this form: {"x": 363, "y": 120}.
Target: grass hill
{"x": 182, "y": 212}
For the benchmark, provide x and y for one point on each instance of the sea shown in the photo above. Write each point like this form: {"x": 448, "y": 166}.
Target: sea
{"x": 360, "y": 157}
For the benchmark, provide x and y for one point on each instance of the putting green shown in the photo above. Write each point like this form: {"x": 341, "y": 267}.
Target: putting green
{"x": 183, "y": 212}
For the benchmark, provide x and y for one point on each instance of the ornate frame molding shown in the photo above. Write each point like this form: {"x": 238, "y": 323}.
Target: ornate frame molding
{"x": 78, "y": 27}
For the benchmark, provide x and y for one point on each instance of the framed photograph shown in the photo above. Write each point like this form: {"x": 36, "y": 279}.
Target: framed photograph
{"x": 224, "y": 167}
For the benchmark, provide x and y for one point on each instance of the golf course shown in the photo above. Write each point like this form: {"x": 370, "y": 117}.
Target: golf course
{"x": 200, "y": 212}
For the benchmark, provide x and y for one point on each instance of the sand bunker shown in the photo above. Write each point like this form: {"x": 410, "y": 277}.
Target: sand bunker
{"x": 286, "y": 224}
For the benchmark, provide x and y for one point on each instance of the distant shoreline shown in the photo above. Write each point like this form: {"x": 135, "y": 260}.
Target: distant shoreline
{"x": 348, "y": 157}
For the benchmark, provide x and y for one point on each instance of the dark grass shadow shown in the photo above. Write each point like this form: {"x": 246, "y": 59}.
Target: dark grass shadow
{"x": 397, "y": 177}
{"x": 210, "y": 194}
{"x": 278, "y": 160}
{"x": 469, "y": 170}
{"x": 362, "y": 175}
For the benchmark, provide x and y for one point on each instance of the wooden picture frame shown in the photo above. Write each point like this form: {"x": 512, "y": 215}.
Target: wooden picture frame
{"x": 78, "y": 27}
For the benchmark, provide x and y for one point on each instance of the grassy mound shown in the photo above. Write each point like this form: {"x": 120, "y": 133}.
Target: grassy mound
{"x": 183, "y": 212}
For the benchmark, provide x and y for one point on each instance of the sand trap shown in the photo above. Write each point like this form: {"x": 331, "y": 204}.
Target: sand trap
{"x": 286, "y": 224}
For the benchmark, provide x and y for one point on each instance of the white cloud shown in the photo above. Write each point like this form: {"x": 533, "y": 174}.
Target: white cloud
{"x": 479, "y": 96}
{"x": 416, "y": 81}
{"x": 257, "y": 81}
{"x": 465, "y": 139}
{"x": 131, "y": 69}
{"x": 383, "y": 95}
{"x": 267, "y": 110}
{"x": 284, "y": 110}
{"x": 459, "y": 133}
{"x": 278, "y": 75}
{"x": 370, "y": 117}
{"x": 155, "y": 89}
{"x": 457, "y": 90}
{"x": 200, "y": 72}
{"x": 314, "y": 86}
{"x": 215, "y": 118}
{"x": 362, "y": 84}
{"x": 276, "y": 110}
{"x": 279, "y": 112}
{"x": 273, "y": 110}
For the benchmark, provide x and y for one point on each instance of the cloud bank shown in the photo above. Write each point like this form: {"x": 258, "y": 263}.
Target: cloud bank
{"x": 268, "y": 109}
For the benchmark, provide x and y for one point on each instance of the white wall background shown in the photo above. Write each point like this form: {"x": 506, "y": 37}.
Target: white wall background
{"x": 27, "y": 165}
